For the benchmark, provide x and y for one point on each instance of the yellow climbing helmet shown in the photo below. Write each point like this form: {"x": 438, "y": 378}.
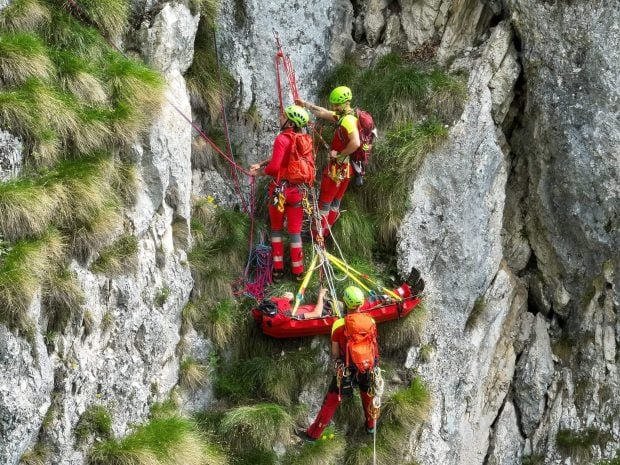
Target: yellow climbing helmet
{"x": 340, "y": 95}
{"x": 297, "y": 115}
{"x": 353, "y": 297}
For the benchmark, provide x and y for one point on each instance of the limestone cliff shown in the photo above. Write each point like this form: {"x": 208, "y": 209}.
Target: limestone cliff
{"x": 514, "y": 223}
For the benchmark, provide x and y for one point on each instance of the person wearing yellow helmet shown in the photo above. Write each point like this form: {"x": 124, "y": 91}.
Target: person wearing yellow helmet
{"x": 286, "y": 190}
{"x": 348, "y": 373}
{"x": 346, "y": 140}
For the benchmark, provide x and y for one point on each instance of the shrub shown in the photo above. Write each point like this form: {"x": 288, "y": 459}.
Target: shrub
{"x": 259, "y": 425}
{"x": 119, "y": 258}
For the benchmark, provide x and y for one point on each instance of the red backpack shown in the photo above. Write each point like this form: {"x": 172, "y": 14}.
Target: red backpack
{"x": 301, "y": 168}
{"x": 361, "y": 333}
{"x": 366, "y": 128}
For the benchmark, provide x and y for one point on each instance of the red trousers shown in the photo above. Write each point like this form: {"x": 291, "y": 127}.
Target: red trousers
{"x": 329, "y": 199}
{"x": 294, "y": 213}
{"x": 332, "y": 401}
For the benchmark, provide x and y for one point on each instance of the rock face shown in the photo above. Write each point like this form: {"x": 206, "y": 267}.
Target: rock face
{"x": 11, "y": 158}
{"x": 121, "y": 352}
{"x": 514, "y": 224}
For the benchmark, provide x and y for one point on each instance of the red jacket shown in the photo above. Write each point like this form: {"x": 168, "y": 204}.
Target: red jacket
{"x": 277, "y": 166}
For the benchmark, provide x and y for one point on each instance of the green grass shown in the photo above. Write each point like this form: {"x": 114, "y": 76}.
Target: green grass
{"x": 38, "y": 455}
{"x": 578, "y": 444}
{"x": 78, "y": 76}
{"x": 535, "y": 459}
{"x": 218, "y": 322}
{"x": 110, "y": 16}
{"x": 119, "y": 258}
{"x": 407, "y": 407}
{"x": 397, "y": 336}
{"x": 89, "y": 235}
{"x": 328, "y": 450}
{"x": 165, "y": 440}
{"x": 161, "y": 296}
{"x": 258, "y": 426}
{"x": 361, "y": 453}
{"x": 392, "y": 167}
{"x": 67, "y": 33}
{"x": 24, "y": 15}
{"x": 192, "y": 374}
{"x": 23, "y": 56}
{"x": 476, "y": 313}
{"x": 62, "y": 298}
{"x": 96, "y": 421}
{"x": 202, "y": 76}
{"x": 22, "y": 271}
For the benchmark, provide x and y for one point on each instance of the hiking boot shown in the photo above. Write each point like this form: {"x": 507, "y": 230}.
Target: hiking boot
{"x": 417, "y": 288}
{"x": 303, "y": 435}
{"x": 371, "y": 430}
{"x": 415, "y": 282}
{"x": 414, "y": 276}
{"x": 298, "y": 277}
{"x": 277, "y": 275}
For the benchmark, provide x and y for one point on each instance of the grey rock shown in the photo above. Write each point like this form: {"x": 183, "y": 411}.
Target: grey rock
{"x": 507, "y": 442}
{"x": 11, "y": 156}
{"x": 374, "y": 21}
{"x": 25, "y": 388}
{"x": 534, "y": 375}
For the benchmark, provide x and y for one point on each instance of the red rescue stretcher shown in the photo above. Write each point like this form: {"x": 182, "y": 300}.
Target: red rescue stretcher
{"x": 280, "y": 324}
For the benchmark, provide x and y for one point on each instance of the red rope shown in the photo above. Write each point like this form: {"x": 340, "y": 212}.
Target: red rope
{"x": 288, "y": 71}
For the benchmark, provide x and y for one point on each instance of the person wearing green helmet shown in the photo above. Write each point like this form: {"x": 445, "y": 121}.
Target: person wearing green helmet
{"x": 286, "y": 190}
{"x": 346, "y": 140}
{"x": 347, "y": 373}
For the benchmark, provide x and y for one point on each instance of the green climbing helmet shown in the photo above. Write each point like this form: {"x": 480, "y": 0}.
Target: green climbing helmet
{"x": 353, "y": 297}
{"x": 340, "y": 95}
{"x": 297, "y": 115}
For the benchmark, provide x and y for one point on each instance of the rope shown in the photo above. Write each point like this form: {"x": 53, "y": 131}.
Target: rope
{"x": 288, "y": 71}
{"x": 261, "y": 257}
{"x": 233, "y": 168}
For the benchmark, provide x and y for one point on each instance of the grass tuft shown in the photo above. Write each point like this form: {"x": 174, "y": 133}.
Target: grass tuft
{"x": 24, "y": 15}
{"x": 23, "y": 56}
{"x": 259, "y": 425}
{"x": 39, "y": 455}
{"x": 76, "y": 75}
{"x": 96, "y": 421}
{"x": 22, "y": 270}
{"x": 166, "y": 440}
{"x": 62, "y": 298}
{"x": 119, "y": 258}
{"x": 91, "y": 234}
{"x": 397, "y": 336}
{"x": 192, "y": 374}
{"x": 202, "y": 77}
{"x": 219, "y": 322}
{"x": 408, "y": 407}
{"x": 578, "y": 444}
{"x": 328, "y": 450}
{"x": 109, "y": 15}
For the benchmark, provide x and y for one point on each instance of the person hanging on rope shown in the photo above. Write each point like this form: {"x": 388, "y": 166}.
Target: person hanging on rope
{"x": 290, "y": 168}
{"x": 346, "y": 140}
{"x": 355, "y": 353}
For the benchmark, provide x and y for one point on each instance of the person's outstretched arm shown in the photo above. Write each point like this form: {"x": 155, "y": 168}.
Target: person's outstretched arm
{"x": 318, "y": 111}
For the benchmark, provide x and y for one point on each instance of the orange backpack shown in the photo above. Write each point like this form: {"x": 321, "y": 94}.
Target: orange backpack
{"x": 301, "y": 168}
{"x": 361, "y": 333}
